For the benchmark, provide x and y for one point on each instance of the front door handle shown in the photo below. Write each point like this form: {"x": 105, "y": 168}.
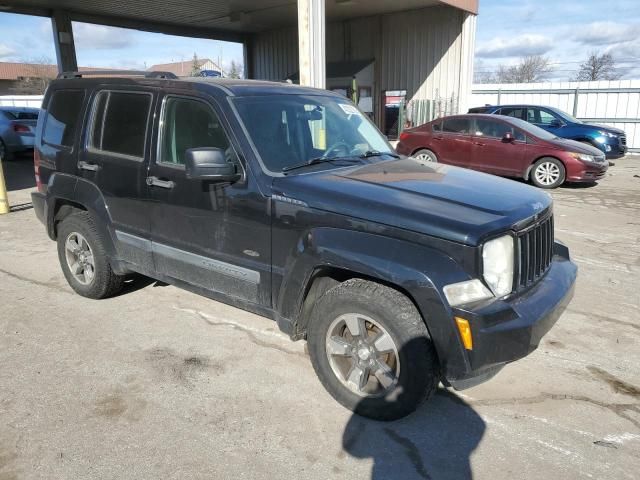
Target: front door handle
{"x": 479, "y": 144}
{"x": 92, "y": 167}
{"x": 156, "y": 182}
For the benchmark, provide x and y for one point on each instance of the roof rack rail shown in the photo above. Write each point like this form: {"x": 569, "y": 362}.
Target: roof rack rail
{"x": 128, "y": 73}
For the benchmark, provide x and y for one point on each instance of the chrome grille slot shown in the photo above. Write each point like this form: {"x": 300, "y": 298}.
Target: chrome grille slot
{"x": 535, "y": 252}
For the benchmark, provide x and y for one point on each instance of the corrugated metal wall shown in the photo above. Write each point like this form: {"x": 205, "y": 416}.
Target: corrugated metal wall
{"x": 615, "y": 103}
{"x": 420, "y": 51}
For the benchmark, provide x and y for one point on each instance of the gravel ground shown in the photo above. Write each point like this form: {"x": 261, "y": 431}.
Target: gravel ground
{"x": 161, "y": 383}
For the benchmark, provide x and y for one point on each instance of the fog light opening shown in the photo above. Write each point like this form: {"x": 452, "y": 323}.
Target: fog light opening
{"x": 465, "y": 332}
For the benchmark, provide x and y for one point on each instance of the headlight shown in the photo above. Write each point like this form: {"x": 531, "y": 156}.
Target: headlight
{"x": 497, "y": 262}
{"x": 607, "y": 134}
{"x": 466, "y": 292}
{"x": 584, "y": 157}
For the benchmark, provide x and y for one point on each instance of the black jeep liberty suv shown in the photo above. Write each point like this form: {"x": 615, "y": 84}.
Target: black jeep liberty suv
{"x": 288, "y": 202}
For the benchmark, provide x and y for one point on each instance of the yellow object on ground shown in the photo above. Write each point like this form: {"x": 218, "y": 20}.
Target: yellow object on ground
{"x": 4, "y": 200}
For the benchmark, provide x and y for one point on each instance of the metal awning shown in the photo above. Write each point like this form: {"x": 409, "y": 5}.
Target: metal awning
{"x": 221, "y": 19}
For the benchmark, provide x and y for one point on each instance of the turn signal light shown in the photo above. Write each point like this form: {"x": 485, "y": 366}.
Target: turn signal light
{"x": 465, "y": 332}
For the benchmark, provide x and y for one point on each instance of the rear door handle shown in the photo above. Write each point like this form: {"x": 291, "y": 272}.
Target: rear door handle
{"x": 156, "y": 182}
{"x": 92, "y": 167}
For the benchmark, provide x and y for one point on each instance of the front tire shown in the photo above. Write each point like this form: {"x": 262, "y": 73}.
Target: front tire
{"x": 84, "y": 260}
{"x": 426, "y": 155}
{"x": 548, "y": 173}
{"x": 371, "y": 350}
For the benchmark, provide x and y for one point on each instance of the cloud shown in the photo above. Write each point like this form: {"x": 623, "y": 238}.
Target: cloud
{"x": 100, "y": 37}
{"x": 6, "y": 51}
{"x": 606, "y": 33}
{"x": 517, "y": 46}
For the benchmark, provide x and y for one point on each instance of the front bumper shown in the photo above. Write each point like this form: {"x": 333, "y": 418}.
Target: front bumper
{"x": 588, "y": 173}
{"x": 505, "y": 330}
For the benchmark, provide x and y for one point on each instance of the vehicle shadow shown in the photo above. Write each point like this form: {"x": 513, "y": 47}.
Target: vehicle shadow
{"x": 135, "y": 282}
{"x": 435, "y": 442}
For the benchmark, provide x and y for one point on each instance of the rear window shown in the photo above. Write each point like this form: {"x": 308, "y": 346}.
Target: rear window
{"x": 20, "y": 115}
{"x": 120, "y": 122}
{"x": 63, "y": 117}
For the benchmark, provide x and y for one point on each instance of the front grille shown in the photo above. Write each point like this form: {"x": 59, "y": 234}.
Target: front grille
{"x": 535, "y": 252}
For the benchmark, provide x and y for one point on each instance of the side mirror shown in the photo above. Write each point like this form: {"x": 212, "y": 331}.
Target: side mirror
{"x": 209, "y": 163}
{"x": 555, "y": 123}
{"x": 508, "y": 137}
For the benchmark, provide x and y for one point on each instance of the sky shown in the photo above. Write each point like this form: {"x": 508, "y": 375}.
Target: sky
{"x": 565, "y": 31}
{"x": 26, "y": 38}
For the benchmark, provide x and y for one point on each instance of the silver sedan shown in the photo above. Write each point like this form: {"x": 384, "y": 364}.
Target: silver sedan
{"x": 17, "y": 129}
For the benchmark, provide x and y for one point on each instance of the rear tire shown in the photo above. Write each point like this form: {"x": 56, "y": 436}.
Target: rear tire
{"x": 548, "y": 173}
{"x": 84, "y": 260}
{"x": 389, "y": 367}
{"x": 426, "y": 155}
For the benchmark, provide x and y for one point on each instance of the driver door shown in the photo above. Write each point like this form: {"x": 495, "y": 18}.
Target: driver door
{"x": 211, "y": 235}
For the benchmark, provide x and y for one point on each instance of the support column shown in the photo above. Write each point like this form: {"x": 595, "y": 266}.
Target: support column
{"x": 63, "y": 41}
{"x": 248, "y": 54}
{"x": 311, "y": 43}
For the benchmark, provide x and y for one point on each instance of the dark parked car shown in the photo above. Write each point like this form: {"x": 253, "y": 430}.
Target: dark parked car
{"x": 287, "y": 201}
{"x": 504, "y": 146}
{"x": 17, "y": 128}
{"x": 611, "y": 141}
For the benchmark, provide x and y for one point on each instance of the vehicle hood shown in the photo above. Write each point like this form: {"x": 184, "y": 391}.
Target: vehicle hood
{"x": 604, "y": 128}
{"x": 575, "y": 146}
{"x": 439, "y": 200}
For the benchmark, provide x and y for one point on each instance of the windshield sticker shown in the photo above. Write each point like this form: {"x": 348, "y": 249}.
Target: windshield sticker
{"x": 349, "y": 109}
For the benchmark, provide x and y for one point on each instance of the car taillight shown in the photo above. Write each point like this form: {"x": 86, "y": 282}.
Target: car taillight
{"x": 19, "y": 128}
{"x": 36, "y": 169}
{"x": 404, "y": 136}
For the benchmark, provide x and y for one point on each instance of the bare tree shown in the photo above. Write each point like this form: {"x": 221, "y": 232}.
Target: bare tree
{"x": 37, "y": 74}
{"x": 598, "y": 67}
{"x": 195, "y": 66}
{"x": 534, "y": 68}
{"x": 235, "y": 70}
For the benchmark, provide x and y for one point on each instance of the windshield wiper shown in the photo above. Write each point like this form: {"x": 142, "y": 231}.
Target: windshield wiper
{"x": 375, "y": 153}
{"x": 316, "y": 160}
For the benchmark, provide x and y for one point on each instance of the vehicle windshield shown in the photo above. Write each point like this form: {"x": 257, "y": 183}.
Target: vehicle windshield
{"x": 290, "y": 130}
{"x": 532, "y": 129}
{"x": 566, "y": 116}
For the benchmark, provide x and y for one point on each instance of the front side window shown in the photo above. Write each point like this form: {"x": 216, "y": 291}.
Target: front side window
{"x": 120, "y": 122}
{"x": 63, "y": 117}
{"x": 541, "y": 117}
{"x": 189, "y": 123}
{"x": 289, "y": 130}
{"x": 491, "y": 128}
{"x": 456, "y": 125}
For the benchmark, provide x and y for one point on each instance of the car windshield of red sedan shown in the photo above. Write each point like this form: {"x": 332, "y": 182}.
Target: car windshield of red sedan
{"x": 293, "y": 130}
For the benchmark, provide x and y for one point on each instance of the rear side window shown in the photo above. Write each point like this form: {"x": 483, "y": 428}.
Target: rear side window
{"x": 456, "y": 125}
{"x": 63, "y": 117}
{"x": 120, "y": 122}
{"x": 512, "y": 112}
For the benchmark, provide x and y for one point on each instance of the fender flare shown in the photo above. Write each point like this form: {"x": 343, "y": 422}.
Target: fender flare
{"x": 419, "y": 271}
{"x": 64, "y": 188}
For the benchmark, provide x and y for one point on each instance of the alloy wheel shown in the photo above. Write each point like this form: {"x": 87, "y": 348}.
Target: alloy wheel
{"x": 80, "y": 258}
{"x": 362, "y": 355}
{"x": 547, "y": 173}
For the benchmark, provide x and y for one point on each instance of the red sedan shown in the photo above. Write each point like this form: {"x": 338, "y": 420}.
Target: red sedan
{"x": 504, "y": 146}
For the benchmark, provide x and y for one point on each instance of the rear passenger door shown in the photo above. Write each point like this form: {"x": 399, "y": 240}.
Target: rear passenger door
{"x": 115, "y": 158}
{"x": 454, "y": 142}
{"x": 216, "y": 236}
